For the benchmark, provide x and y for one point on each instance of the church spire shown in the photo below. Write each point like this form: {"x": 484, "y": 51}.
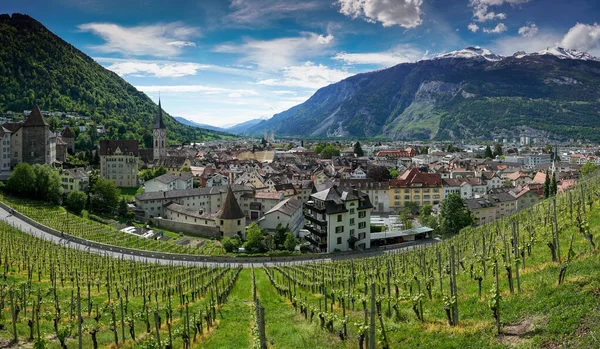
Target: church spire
{"x": 158, "y": 122}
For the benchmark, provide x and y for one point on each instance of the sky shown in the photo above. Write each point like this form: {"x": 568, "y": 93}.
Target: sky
{"x": 223, "y": 62}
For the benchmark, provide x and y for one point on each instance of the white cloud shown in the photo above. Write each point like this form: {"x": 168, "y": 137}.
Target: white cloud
{"x": 161, "y": 40}
{"x": 400, "y": 54}
{"x": 281, "y": 52}
{"x": 482, "y": 12}
{"x": 159, "y": 70}
{"x": 473, "y": 27}
{"x": 403, "y": 13}
{"x": 202, "y": 89}
{"x": 257, "y": 11}
{"x": 529, "y": 30}
{"x": 307, "y": 75}
{"x": 583, "y": 37}
{"x": 511, "y": 44}
{"x": 284, "y": 92}
{"x": 499, "y": 28}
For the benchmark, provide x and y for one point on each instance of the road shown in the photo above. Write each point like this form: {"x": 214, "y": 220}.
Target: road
{"x": 29, "y": 229}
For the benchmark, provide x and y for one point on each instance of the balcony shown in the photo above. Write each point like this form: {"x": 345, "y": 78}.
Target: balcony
{"x": 316, "y": 231}
{"x": 315, "y": 241}
{"x": 315, "y": 220}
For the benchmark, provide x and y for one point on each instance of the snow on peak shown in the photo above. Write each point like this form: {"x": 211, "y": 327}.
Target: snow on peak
{"x": 472, "y": 52}
{"x": 564, "y": 53}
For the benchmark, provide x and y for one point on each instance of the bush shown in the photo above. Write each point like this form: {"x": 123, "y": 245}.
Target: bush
{"x": 230, "y": 244}
{"x": 76, "y": 201}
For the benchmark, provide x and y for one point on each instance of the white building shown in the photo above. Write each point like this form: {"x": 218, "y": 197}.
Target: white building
{"x": 169, "y": 181}
{"x": 338, "y": 220}
{"x": 287, "y": 213}
{"x": 5, "y": 149}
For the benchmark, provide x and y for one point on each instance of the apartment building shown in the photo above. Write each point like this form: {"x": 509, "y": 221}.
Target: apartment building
{"x": 415, "y": 186}
{"x": 169, "y": 181}
{"x": 338, "y": 219}
{"x": 119, "y": 162}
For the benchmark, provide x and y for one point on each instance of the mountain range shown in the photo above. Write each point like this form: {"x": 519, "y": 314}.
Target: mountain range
{"x": 466, "y": 94}
{"x": 38, "y": 67}
{"x": 236, "y": 129}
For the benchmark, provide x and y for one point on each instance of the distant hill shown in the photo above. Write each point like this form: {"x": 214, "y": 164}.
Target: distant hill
{"x": 242, "y": 128}
{"x": 187, "y": 122}
{"x": 471, "y": 93}
{"x": 38, "y": 67}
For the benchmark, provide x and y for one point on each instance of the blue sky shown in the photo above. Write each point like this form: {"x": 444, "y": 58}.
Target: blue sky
{"x": 226, "y": 61}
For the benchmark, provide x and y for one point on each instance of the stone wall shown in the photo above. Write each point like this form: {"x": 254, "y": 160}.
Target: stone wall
{"x": 34, "y": 144}
{"x": 203, "y": 231}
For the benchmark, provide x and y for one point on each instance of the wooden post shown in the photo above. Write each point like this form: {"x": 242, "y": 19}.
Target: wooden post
{"x": 372, "y": 319}
{"x": 79, "y": 320}
{"x": 261, "y": 327}
{"x": 157, "y": 324}
{"x": 14, "y": 315}
{"x": 516, "y": 253}
{"x": 454, "y": 288}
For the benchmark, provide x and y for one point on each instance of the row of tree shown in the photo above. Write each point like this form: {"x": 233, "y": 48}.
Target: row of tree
{"x": 260, "y": 240}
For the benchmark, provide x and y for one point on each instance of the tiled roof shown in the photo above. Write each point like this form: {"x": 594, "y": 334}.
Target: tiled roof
{"x": 230, "y": 208}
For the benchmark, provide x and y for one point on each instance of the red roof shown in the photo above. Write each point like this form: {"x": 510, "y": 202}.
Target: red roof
{"x": 414, "y": 176}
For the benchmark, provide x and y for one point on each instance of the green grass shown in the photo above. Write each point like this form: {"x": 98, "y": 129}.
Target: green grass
{"x": 233, "y": 330}
{"x": 130, "y": 193}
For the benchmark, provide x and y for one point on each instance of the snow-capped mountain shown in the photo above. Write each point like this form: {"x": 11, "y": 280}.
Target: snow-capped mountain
{"x": 472, "y": 52}
{"x": 564, "y": 53}
{"x": 481, "y": 53}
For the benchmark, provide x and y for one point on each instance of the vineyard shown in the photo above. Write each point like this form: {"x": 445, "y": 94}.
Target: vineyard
{"x": 531, "y": 281}
{"x": 58, "y": 218}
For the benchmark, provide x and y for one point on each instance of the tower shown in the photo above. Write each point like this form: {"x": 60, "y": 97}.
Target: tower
{"x": 160, "y": 135}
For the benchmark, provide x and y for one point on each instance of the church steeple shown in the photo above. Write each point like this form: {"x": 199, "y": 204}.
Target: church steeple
{"x": 160, "y": 135}
{"x": 158, "y": 121}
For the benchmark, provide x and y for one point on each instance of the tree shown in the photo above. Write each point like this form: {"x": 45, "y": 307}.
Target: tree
{"x": 254, "y": 239}
{"x": 547, "y": 186}
{"x": 76, "y": 201}
{"x": 329, "y": 151}
{"x": 379, "y": 173}
{"x": 394, "y": 173}
{"x": 230, "y": 244}
{"x": 553, "y": 185}
{"x": 587, "y": 169}
{"x": 497, "y": 150}
{"x": 358, "y": 150}
{"x": 122, "y": 209}
{"x": 105, "y": 196}
{"x": 22, "y": 180}
{"x": 426, "y": 219}
{"x": 488, "y": 152}
{"x": 454, "y": 215}
{"x": 411, "y": 208}
{"x": 279, "y": 236}
{"x": 405, "y": 221}
{"x": 290, "y": 241}
{"x": 47, "y": 183}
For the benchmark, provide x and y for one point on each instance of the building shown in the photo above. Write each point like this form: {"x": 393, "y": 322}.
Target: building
{"x": 483, "y": 210}
{"x": 505, "y": 204}
{"x": 160, "y": 135}
{"x": 119, "y": 162}
{"x": 74, "y": 179}
{"x": 531, "y": 160}
{"x": 5, "y": 149}
{"x": 198, "y": 199}
{"x": 170, "y": 181}
{"x": 287, "y": 213}
{"x": 32, "y": 141}
{"x": 378, "y": 192}
{"x": 338, "y": 220}
{"x": 415, "y": 186}
{"x": 230, "y": 219}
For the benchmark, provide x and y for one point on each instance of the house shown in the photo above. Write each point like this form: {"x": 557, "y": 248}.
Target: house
{"x": 169, "y": 181}
{"x": 415, "y": 186}
{"x": 505, "y": 204}
{"x": 32, "y": 141}
{"x": 526, "y": 198}
{"x": 287, "y": 213}
{"x": 338, "y": 220}
{"x": 119, "y": 162}
{"x": 229, "y": 218}
{"x": 74, "y": 179}
{"x": 217, "y": 180}
{"x": 378, "y": 192}
{"x": 483, "y": 210}
{"x": 5, "y": 149}
{"x": 358, "y": 173}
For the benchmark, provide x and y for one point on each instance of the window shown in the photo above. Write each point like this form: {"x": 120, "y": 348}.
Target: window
{"x": 339, "y": 240}
{"x": 406, "y": 197}
{"x": 407, "y": 190}
{"x": 339, "y": 230}
{"x": 362, "y": 225}
{"x": 240, "y": 222}
{"x": 339, "y": 219}
{"x": 351, "y": 221}
{"x": 397, "y": 197}
{"x": 417, "y": 197}
{"x": 351, "y": 211}
{"x": 362, "y": 214}
{"x": 395, "y": 190}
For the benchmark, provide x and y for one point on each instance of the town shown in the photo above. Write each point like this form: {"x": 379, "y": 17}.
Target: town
{"x": 331, "y": 196}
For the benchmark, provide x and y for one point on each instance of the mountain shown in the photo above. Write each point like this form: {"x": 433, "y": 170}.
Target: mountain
{"x": 38, "y": 67}
{"x": 187, "y": 122}
{"x": 471, "y": 93}
{"x": 244, "y": 126}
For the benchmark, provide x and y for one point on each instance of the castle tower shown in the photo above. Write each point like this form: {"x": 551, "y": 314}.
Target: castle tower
{"x": 160, "y": 135}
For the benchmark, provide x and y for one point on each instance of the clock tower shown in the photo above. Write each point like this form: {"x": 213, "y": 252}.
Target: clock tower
{"x": 160, "y": 135}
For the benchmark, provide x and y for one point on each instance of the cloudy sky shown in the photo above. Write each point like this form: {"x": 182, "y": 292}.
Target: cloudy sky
{"x": 222, "y": 62}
